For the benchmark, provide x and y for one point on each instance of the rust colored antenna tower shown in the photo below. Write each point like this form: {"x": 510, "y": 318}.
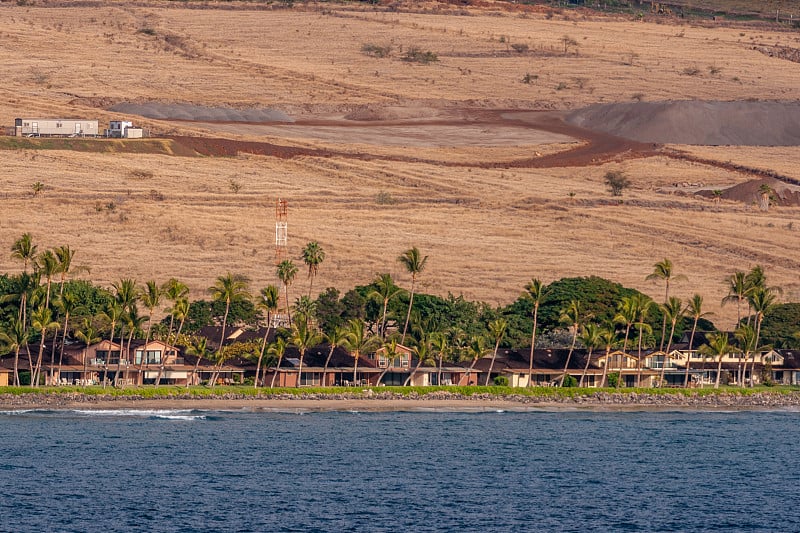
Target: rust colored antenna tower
{"x": 281, "y": 229}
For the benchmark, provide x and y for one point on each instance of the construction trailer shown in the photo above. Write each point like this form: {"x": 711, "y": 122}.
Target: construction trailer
{"x": 55, "y": 127}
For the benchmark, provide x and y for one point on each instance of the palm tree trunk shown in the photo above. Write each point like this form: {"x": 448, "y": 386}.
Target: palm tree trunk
{"x": 39, "y": 359}
{"x": 410, "y": 304}
{"x": 355, "y": 367}
{"x": 16, "y": 366}
{"x": 439, "y": 376}
{"x": 585, "y": 368}
{"x": 63, "y": 341}
{"x": 300, "y": 369}
{"x": 605, "y": 368}
{"x": 383, "y": 320}
{"x": 325, "y": 367}
{"x": 533, "y": 343}
{"x": 639, "y": 359}
{"x": 413, "y": 372}
{"x": 569, "y": 355}
{"x": 261, "y": 354}
{"x": 491, "y": 365}
{"x": 719, "y": 371}
{"x": 275, "y": 375}
{"x": 666, "y": 353}
{"x": 689, "y": 354}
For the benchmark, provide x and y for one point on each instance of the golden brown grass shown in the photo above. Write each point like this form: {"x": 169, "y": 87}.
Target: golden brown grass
{"x": 487, "y": 231}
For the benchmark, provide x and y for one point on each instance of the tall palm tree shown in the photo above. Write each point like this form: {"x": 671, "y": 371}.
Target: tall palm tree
{"x": 607, "y": 338}
{"x": 88, "y": 335}
{"x": 663, "y": 270}
{"x": 286, "y": 272}
{"x": 313, "y": 256}
{"x": 336, "y": 337}
{"x": 305, "y": 309}
{"x": 278, "y": 349}
{"x": 46, "y": 263}
{"x": 643, "y": 305}
{"x": 151, "y": 298}
{"x": 414, "y": 262}
{"x": 113, "y": 313}
{"x": 230, "y": 288}
{"x": 716, "y": 346}
{"x": 386, "y": 291}
{"x": 673, "y": 311}
{"x": 762, "y": 300}
{"x": 591, "y": 338}
{"x": 422, "y": 351}
{"x": 174, "y": 290}
{"x": 746, "y": 339}
{"x": 269, "y": 299}
{"x": 695, "y": 311}
{"x": 65, "y": 257}
{"x": 179, "y": 312}
{"x": 68, "y": 304}
{"x": 738, "y": 291}
{"x": 198, "y": 348}
{"x": 626, "y": 316}
{"x": 535, "y": 291}
{"x": 497, "y": 330}
{"x": 571, "y": 316}
{"x": 357, "y": 342}
{"x": 477, "y": 348}
{"x": 15, "y": 336}
{"x": 390, "y": 351}
{"x": 441, "y": 346}
{"x": 24, "y": 250}
{"x": 304, "y": 336}
{"x": 42, "y": 321}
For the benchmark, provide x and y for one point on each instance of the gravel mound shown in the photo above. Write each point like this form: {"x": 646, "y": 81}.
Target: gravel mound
{"x": 198, "y": 113}
{"x": 696, "y": 122}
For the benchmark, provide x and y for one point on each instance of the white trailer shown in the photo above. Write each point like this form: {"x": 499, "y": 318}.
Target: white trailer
{"x": 55, "y": 127}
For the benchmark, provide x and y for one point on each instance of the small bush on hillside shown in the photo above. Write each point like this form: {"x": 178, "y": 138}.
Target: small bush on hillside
{"x": 147, "y": 31}
{"x": 416, "y": 55}
{"x": 690, "y": 71}
{"x": 385, "y": 198}
{"x": 529, "y": 78}
{"x": 375, "y": 50}
{"x": 520, "y": 48}
{"x": 617, "y": 182}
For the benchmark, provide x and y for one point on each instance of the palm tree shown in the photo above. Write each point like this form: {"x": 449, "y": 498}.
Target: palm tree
{"x": 716, "y": 346}
{"x": 386, "y": 291}
{"x": 643, "y": 304}
{"x": 738, "y": 291}
{"x": 663, "y": 270}
{"x": 422, "y": 351}
{"x": 198, "y": 348}
{"x": 305, "y": 309}
{"x": 336, "y": 337}
{"x": 174, "y": 291}
{"x": 278, "y": 349}
{"x": 497, "y": 330}
{"x": 571, "y": 316}
{"x": 151, "y": 298}
{"x": 47, "y": 265}
{"x": 65, "y": 257}
{"x": 286, "y": 272}
{"x": 88, "y": 335}
{"x": 42, "y": 321}
{"x": 695, "y": 311}
{"x": 113, "y": 314}
{"x": 607, "y": 337}
{"x": 746, "y": 339}
{"x": 304, "y": 336}
{"x": 15, "y": 336}
{"x": 626, "y": 316}
{"x": 673, "y": 311}
{"x": 442, "y": 347}
{"x": 313, "y": 256}
{"x": 476, "y": 349}
{"x": 68, "y": 304}
{"x": 415, "y": 264}
{"x": 535, "y": 291}
{"x": 591, "y": 338}
{"x": 762, "y": 300}
{"x": 357, "y": 342}
{"x": 268, "y": 301}
{"x": 24, "y": 250}
{"x": 179, "y": 312}
{"x": 230, "y": 288}
{"x": 390, "y": 352}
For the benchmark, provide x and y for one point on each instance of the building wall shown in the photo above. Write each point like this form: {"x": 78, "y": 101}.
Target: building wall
{"x": 4, "y": 379}
{"x": 54, "y": 126}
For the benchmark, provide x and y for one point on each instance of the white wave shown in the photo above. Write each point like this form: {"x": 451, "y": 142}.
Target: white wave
{"x": 171, "y": 414}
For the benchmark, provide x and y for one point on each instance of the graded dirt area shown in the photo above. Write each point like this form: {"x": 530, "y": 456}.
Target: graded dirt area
{"x": 466, "y": 157}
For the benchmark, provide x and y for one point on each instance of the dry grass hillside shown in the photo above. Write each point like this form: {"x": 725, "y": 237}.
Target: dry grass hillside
{"x": 487, "y": 230}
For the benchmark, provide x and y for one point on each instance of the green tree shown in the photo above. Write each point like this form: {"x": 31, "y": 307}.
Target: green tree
{"x": 313, "y": 256}
{"x": 174, "y": 291}
{"x": 46, "y": 263}
{"x": 664, "y": 271}
{"x": 357, "y": 342}
{"x": 151, "y": 299}
{"x": 608, "y": 338}
{"x": 497, "y": 330}
{"x": 626, "y": 316}
{"x": 673, "y": 311}
{"x": 15, "y": 336}
{"x": 414, "y": 263}
{"x": 42, "y": 321}
{"x": 616, "y": 182}
{"x": 24, "y": 250}
{"x": 112, "y": 314}
{"x": 695, "y": 312}
{"x": 286, "y": 273}
{"x": 746, "y": 341}
{"x": 477, "y": 348}
{"x": 88, "y": 335}
{"x": 277, "y": 349}
{"x": 335, "y": 338}
{"x": 738, "y": 291}
{"x": 422, "y": 351}
{"x": 198, "y": 348}
{"x": 762, "y": 300}
{"x": 535, "y": 291}
{"x": 69, "y": 305}
{"x": 643, "y": 305}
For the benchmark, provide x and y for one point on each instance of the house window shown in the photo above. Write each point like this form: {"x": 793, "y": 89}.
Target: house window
{"x": 405, "y": 360}
{"x": 382, "y": 361}
{"x": 151, "y": 357}
{"x": 311, "y": 379}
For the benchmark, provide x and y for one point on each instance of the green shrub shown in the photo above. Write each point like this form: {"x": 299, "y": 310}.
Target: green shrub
{"x": 613, "y": 380}
{"x": 375, "y": 50}
{"x": 416, "y": 55}
{"x": 569, "y": 381}
{"x": 501, "y": 381}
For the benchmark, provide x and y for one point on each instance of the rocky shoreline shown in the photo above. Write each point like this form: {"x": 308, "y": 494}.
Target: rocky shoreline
{"x": 386, "y": 400}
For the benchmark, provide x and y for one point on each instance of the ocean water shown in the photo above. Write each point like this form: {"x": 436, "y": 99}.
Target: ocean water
{"x": 125, "y": 470}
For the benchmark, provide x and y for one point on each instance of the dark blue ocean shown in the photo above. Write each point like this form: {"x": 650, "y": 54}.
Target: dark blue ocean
{"x": 399, "y": 471}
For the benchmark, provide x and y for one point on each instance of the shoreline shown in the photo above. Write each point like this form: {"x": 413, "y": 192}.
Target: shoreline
{"x": 386, "y": 402}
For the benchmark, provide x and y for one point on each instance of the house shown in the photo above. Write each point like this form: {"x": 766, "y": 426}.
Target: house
{"x": 5, "y": 376}
{"x": 55, "y": 127}
{"x": 123, "y": 129}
